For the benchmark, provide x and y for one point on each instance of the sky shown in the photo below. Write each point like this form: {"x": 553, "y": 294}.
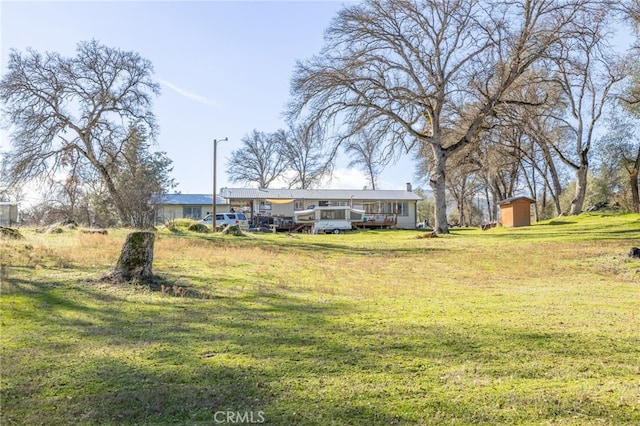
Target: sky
{"x": 224, "y": 68}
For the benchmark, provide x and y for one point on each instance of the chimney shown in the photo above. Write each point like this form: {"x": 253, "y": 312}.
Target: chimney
{"x": 409, "y": 187}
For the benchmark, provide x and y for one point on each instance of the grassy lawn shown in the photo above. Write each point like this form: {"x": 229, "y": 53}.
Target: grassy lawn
{"x": 536, "y": 325}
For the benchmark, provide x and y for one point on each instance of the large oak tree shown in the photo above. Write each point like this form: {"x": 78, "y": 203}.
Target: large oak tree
{"x": 65, "y": 112}
{"x": 426, "y": 73}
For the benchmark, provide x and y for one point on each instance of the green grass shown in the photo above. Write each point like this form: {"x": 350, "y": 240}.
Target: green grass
{"x": 535, "y": 325}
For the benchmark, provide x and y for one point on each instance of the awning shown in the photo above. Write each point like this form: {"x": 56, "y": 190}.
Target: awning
{"x": 280, "y": 201}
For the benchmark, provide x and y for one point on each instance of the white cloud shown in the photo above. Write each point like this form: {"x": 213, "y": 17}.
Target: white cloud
{"x": 194, "y": 97}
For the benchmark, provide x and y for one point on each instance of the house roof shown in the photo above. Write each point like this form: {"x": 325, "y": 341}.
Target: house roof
{"x": 317, "y": 194}
{"x": 187, "y": 199}
{"x": 512, "y": 199}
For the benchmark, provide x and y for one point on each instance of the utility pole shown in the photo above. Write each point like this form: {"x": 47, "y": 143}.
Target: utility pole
{"x": 213, "y": 197}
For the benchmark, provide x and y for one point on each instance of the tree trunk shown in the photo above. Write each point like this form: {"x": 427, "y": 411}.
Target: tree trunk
{"x": 635, "y": 194}
{"x": 550, "y": 169}
{"x": 438, "y": 185}
{"x": 491, "y": 205}
{"x": 581, "y": 190}
{"x": 107, "y": 178}
{"x": 136, "y": 258}
{"x": 464, "y": 218}
{"x": 533, "y": 189}
{"x": 372, "y": 176}
{"x": 633, "y": 181}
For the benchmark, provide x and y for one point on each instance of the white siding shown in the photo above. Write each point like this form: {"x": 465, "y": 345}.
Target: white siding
{"x": 8, "y": 214}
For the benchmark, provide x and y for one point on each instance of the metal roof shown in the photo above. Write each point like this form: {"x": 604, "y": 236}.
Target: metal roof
{"x": 317, "y": 194}
{"x": 187, "y": 199}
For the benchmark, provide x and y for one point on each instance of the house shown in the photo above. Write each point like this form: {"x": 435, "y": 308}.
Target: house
{"x": 516, "y": 211}
{"x": 382, "y": 208}
{"x": 8, "y": 214}
{"x": 276, "y": 207}
{"x": 187, "y": 206}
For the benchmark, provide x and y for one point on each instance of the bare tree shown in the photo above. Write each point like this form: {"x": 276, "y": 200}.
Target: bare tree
{"x": 303, "y": 150}
{"x": 525, "y": 131}
{"x": 407, "y": 69}
{"x": 368, "y": 155}
{"x": 63, "y": 110}
{"x": 587, "y": 74}
{"x": 631, "y": 12}
{"x": 259, "y": 160}
{"x": 542, "y": 157}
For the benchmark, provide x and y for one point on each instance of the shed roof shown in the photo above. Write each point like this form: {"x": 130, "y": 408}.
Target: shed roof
{"x": 186, "y": 199}
{"x": 318, "y": 194}
{"x": 512, "y": 199}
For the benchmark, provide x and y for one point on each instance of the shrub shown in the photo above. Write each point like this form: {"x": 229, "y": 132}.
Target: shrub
{"x": 179, "y": 225}
{"x": 199, "y": 227}
{"x": 233, "y": 230}
{"x": 55, "y": 230}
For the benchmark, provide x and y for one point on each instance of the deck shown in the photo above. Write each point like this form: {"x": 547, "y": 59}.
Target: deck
{"x": 373, "y": 224}
{"x": 287, "y": 224}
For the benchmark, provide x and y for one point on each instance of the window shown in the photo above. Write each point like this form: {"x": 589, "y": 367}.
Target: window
{"x": 356, "y": 216}
{"x": 402, "y": 209}
{"x": 326, "y": 214}
{"x": 377, "y": 207}
{"x": 192, "y": 212}
{"x": 380, "y": 207}
{"x": 265, "y": 205}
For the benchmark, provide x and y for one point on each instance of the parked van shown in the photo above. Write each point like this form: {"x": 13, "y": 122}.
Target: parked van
{"x": 224, "y": 219}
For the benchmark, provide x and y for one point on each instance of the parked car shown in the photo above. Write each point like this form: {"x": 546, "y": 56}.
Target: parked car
{"x": 224, "y": 219}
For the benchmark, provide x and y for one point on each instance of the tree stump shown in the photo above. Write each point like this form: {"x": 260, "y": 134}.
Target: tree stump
{"x": 136, "y": 258}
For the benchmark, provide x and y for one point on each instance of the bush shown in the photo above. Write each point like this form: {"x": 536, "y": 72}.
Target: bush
{"x": 233, "y": 230}
{"x": 54, "y": 229}
{"x": 199, "y": 227}
{"x": 179, "y": 225}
